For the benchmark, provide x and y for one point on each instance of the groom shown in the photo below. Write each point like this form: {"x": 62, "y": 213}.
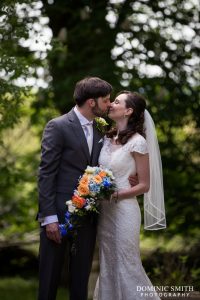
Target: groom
{"x": 70, "y": 143}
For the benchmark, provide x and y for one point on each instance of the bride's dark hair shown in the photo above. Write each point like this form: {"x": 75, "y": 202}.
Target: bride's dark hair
{"x": 136, "y": 119}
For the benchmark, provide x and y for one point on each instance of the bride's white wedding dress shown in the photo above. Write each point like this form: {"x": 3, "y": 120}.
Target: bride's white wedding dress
{"x": 121, "y": 272}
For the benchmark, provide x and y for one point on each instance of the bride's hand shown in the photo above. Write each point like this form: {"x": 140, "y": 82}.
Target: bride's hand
{"x": 133, "y": 180}
{"x": 114, "y": 196}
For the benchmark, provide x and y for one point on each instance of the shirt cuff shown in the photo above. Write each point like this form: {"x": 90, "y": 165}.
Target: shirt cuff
{"x": 49, "y": 220}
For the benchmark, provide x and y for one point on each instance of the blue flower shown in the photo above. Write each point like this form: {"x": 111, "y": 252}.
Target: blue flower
{"x": 63, "y": 229}
{"x": 67, "y": 216}
{"x": 67, "y": 226}
{"x": 95, "y": 188}
{"x": 106, "y": 183}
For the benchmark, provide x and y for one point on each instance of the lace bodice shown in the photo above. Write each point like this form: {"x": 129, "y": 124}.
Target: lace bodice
{"x": 119, "y": 160}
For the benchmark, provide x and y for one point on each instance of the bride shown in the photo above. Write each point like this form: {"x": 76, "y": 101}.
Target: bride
{"x": 130, "y": 148}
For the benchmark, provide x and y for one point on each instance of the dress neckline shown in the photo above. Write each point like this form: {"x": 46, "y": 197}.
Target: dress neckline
{"x": 133, "y": 136}
{"x": 115, "y": 144}
{"x": 114, "y": 147}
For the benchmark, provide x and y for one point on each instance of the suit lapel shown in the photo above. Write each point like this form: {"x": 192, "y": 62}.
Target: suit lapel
{"x": 78, "y": 131}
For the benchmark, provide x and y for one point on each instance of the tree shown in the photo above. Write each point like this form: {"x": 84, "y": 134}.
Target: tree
{"x": 17, "y": 170}
{"x": 147, "y": 46}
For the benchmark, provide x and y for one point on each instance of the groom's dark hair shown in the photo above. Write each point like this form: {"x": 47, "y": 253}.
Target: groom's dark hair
{"x": 91, "y": 88}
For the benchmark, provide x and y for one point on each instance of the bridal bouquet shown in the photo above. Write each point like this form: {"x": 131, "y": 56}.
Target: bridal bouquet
{"x": 95, "y": 184}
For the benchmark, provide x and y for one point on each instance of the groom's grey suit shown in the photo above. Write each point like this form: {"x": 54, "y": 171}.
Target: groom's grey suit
{"x": 65, "y": 156}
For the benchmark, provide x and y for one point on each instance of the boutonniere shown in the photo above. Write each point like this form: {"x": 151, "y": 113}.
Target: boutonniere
{"x": 101, "y": 124}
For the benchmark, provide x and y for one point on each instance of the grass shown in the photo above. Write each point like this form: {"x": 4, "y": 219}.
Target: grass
{"x": 23, "y": 289}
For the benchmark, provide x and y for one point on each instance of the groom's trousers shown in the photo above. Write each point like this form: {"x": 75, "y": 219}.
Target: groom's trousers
{"x": 51, "y": 259}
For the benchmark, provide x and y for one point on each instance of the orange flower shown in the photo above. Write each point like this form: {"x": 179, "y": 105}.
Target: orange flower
{"x": 97, "y": 179}
{"x": 78, "y": 201}
{"x": 84, "y": 180}
{"x": 83, "y": 189}
{"x": 102, "y": 174}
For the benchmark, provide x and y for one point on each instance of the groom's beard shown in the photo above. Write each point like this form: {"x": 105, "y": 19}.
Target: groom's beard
{"x": 98, "y": 112}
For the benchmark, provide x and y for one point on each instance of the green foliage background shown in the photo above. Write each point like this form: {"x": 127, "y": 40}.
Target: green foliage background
{"x": 139, "y": 34}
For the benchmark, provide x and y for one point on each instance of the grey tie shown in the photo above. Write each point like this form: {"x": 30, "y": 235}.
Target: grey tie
{"x": 89, "y": 134}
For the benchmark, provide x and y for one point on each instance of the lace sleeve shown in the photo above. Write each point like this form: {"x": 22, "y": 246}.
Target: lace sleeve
{"x": 137, "y": 144}
{"x": 105, "y": 141}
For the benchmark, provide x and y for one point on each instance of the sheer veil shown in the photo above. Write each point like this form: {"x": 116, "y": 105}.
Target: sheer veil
{"x": 154, "y": 207}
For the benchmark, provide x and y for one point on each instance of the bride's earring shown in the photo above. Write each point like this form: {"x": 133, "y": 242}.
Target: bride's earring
{"x": 116, "y": 137}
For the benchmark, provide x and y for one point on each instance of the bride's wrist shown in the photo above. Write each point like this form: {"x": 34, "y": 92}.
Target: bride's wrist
{"x": 123, "y": 194}
{"x": 114, "y": 196}
{"x": 119, "y": 195}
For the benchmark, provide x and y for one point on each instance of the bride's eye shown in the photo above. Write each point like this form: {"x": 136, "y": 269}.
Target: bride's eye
{"x": 116, "y": 101}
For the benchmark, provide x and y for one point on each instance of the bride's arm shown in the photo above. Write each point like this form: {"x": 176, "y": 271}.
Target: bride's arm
{"x": 142, "y": 169}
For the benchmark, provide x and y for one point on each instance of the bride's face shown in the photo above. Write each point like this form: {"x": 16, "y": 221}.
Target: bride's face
{"x": 118, "y": 108}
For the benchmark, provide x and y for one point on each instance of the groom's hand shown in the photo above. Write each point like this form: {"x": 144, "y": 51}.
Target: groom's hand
{"x": 53, "y": 232}
{"x": 133, "y": 180}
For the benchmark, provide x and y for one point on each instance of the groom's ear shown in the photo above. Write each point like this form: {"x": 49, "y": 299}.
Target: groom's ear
{"x": 91, "y": 102}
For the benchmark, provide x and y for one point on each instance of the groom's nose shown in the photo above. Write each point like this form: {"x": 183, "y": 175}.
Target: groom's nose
{"x": 109, "y": 104}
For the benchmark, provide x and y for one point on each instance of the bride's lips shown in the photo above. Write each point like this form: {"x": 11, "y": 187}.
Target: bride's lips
{"x": 110, "y": 110}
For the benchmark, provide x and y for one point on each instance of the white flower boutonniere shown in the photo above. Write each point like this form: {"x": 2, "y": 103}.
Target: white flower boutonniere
{"x": 101, "y": 124}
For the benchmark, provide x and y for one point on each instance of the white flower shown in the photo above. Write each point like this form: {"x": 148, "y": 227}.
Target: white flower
{"x": 100, "y": 124}
{"x": 89, "y": 170}
{"x": 101, "y": 121}
{"x": 88, "y": 207}
{"x": 71, "y": 208}
{"x": 110, "y": 174}
{"x": 69, "y": 202}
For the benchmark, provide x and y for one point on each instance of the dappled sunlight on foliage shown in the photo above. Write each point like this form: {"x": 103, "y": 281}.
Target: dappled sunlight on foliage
{"x": 20, "y": 154}
{"x": 146, "y": 46}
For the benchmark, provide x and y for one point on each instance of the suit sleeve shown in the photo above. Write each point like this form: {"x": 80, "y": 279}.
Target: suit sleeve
{"x": 52, "y": 146}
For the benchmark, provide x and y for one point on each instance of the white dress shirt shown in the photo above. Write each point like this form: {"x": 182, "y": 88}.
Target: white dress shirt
{"x": 88, "y": 131}
{"x": 87, "y": 128}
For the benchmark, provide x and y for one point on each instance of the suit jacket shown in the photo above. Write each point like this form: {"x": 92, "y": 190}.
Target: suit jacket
{"x": 64, "y": 157}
